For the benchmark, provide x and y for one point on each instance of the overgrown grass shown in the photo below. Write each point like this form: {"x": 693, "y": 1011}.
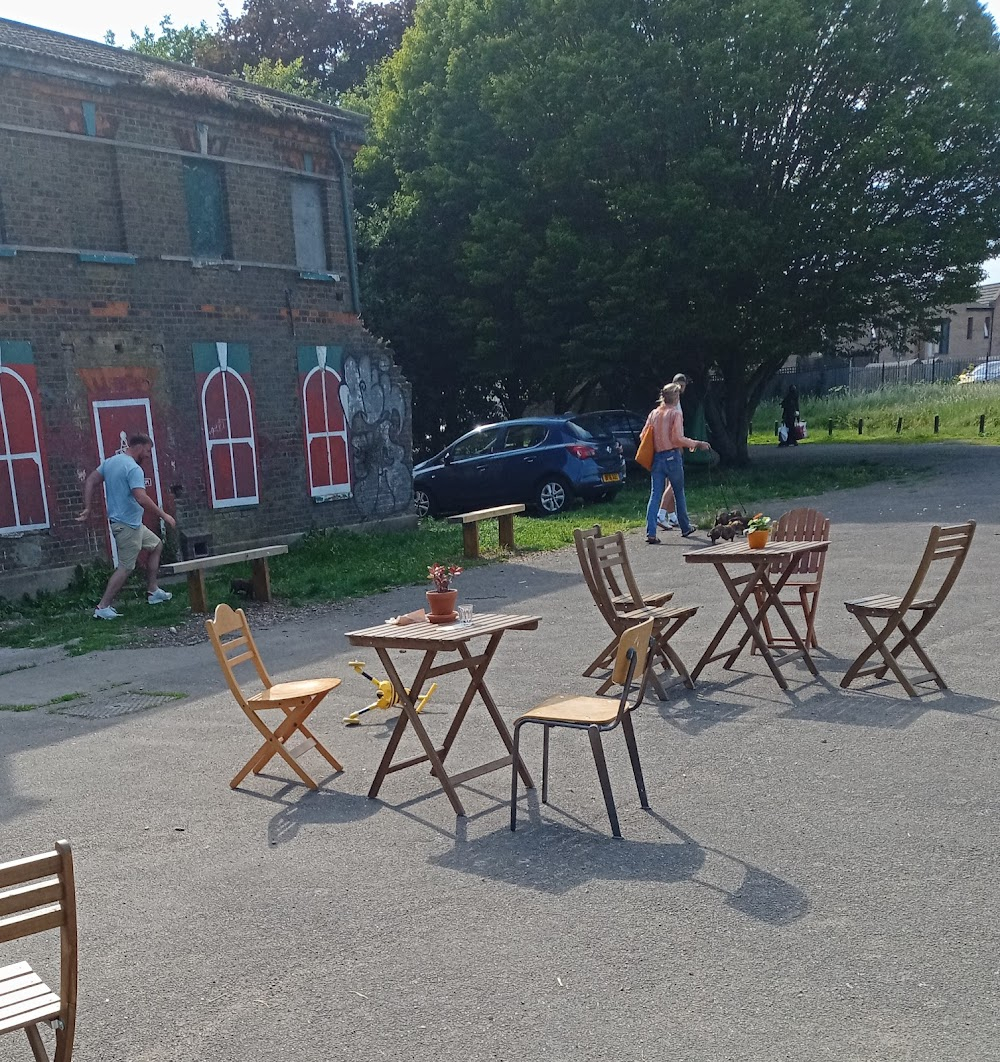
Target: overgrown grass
{"x": 959, "y": 407}
{"x": 343, "y": 564}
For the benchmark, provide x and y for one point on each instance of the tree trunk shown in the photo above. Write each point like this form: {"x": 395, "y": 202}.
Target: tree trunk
{"x": 729, "y": 423}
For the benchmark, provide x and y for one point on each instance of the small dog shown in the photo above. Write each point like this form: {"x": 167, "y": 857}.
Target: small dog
{"x": 727, "y": 526}
{"x": 243, "y": 587}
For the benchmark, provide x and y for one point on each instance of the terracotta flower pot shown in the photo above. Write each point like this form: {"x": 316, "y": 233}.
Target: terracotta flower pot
{"x": 757, "y": 539}
{"x": 442, "y": 606}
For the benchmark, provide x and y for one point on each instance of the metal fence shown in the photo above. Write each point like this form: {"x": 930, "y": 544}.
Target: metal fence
{"x": 857, "y": 378}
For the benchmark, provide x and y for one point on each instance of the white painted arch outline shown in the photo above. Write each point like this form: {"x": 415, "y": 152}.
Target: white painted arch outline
{"x": 341, "y": 490}
{"x": 35, "y": 455}
{"x": 228, "y": 503}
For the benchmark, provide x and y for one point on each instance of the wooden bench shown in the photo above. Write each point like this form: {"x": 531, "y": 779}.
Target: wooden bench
{"x": 195, "y": 570}
{"x": 503, "y": 514}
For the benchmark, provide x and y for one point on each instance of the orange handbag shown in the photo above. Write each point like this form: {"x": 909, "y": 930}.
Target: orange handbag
{"x": 645, "y": 453}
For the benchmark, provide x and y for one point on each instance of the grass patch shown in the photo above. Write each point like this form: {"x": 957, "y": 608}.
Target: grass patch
{"x": 344, "y": 564}
{"x": 65, "y": 698}
{"x": 18, "y": 707}
{"x": 959, "y": 407}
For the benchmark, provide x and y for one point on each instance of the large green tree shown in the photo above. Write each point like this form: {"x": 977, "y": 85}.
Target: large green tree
{"x": 561, "y": 193}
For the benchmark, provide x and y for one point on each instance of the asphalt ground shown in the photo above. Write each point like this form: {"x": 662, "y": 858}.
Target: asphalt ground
{"x": 816, "y": 880}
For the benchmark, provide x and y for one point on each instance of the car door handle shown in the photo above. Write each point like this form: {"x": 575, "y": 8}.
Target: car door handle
{"x": 480, "y": 468}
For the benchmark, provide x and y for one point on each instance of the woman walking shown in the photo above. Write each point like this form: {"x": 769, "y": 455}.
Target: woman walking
{"x": 789, "y": 416}
{"x": 667, "y": 425}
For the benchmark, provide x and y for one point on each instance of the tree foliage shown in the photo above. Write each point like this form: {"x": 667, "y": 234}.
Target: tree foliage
{"x": 565, "y": 193}
{"x": 338, "y": 41}
{"x": 315, "y": 48}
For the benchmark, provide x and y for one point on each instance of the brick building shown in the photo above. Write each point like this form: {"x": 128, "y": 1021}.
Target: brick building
{"x": 176, "y": 256}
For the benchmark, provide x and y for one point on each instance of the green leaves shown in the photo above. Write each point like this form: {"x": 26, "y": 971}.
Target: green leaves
{"x": 581, "y": 193}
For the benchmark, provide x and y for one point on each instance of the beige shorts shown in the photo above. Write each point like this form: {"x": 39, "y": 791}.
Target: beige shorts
{"x": 130, "y": 540}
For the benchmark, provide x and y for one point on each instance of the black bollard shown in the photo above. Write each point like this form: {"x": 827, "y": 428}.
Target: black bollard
{"x": 937, "y": 423}
{"x": 861, "y": 426}
{"x": 899, "y": 425}
{"x": 829, "y": 427}
{"x": 982, "y": 424}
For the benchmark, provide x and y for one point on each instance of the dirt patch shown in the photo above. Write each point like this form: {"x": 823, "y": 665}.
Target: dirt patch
{"x": 191, "y": 631}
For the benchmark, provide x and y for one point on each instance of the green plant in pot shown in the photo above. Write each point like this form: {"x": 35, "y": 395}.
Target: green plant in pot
{"x": 758, "y": 531}
{"x": 441, "y": 599}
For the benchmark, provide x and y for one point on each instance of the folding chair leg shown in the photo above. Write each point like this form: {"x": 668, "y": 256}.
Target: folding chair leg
{"x": 603, "y": 660}
{"x": 35, "y": 1040}
{"x": 516, "y": 759}
{"x": 633, "y": 754}
{"x": 602, "y": 773}
{"x": 319, "y": 747}
{"x": 810, "y": 598}
{"x": 878, "y": 645}
{"x": 545, "y": 763}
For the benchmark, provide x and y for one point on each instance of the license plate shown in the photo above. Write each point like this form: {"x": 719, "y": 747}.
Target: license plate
{"x": 610, "y": 477}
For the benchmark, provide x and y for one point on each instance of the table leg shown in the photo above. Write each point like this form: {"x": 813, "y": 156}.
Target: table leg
{"x": 470, "y": 539}
{"x": 772, "y": 598}
{"x": 731, "y": 585}
{"x": 408, "y": 715}
{"x": 752, "y": 630}
{"x": 505, "y": 531}
{"x": 477, "y": 685}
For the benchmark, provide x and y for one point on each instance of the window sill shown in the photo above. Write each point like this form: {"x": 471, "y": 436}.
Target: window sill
{"x": 108, "y": 258}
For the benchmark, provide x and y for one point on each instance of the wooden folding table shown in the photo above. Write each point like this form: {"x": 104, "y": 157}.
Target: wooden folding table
{"x": 771, "y": 568}
{"x": 431, "y": 639}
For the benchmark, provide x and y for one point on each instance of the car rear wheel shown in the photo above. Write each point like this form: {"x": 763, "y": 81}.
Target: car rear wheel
{"x": 552, "y": 496}
{"x": 423, "y": 503}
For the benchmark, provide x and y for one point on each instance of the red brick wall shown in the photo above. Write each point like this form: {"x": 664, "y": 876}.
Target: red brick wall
{"x": 106, "y": 326}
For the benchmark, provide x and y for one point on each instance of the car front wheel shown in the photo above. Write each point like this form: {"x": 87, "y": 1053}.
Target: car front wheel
{"x": 552, "y": 496}
{"x": 422, "y": 502}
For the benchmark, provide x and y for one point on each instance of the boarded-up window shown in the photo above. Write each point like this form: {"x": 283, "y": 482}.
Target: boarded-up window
{"x": 208, "y": 221}
{"x": 307, "y": 221}
{"x": 23, "y": 505}
{"x": 325, "y": 423}
{"x": 223, "y": 371}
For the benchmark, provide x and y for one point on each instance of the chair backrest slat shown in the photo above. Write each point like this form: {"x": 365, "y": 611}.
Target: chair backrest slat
{"x": 225, "y": 621}
{"x": 958, "y": 539}
{"x": 25, "y": 897}
{"x": 803, "y": 525}
{"x": 580, "y": 537}
{"x": 610, "y": 562}
{"x": 636, "y": 638}
{"x": 27, "y": 923}
{"x": 18, "y": 871}
{"x": 38, "y": 894}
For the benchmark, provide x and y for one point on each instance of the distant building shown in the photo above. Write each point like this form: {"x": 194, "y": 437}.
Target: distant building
{"x": 176, "y": 257}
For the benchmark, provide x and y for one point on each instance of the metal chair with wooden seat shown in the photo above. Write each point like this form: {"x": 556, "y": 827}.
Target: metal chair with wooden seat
{"x": 596, "y": 715}
{"x": 611, "y": 569}
{"x": 622, "y": 600}
{"x": 800, "y": 525}
{"x": 296, "y": 700}
{"x": 947, "y": 547}
{"x": 37, "y": 894}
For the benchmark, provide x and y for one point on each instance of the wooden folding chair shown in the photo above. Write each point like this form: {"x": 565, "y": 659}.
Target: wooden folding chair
{"x": 296, "y": 700}
{"x": 622, "y": 601}
{"x": 947, "y": 547}
{"x": 38, "y": 894}
{"x": 800, "y": 525}
{"x": 596, "y": 715}
{"x": 623, "y": 609}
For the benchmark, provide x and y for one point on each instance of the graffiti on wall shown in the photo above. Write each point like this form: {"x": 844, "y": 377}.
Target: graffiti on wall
{"x": 376, "y": 412}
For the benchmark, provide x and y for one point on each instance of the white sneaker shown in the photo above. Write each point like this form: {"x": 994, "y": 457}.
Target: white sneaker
{"x": 672, "y": 520}
{"x": 158, "y": 596}
{"x": 106, "y": 613}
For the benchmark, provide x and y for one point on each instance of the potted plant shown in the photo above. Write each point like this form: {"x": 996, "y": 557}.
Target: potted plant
{"x": 441, "y": 599}
{"x": 758, "y": 531}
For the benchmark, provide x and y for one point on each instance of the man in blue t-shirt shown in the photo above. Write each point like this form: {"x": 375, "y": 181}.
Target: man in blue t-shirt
{"x": 125, "y": 487}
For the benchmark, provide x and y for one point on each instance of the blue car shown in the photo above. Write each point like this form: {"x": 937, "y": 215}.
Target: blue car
{"x": 544, "y": 462}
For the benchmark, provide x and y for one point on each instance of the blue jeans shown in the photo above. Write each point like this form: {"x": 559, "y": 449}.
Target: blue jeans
{"x": 667, "y": 465}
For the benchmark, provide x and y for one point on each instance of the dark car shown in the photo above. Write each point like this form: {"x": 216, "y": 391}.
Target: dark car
{"x": 544, "y": 462}
{"x": 624, "y": 425}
